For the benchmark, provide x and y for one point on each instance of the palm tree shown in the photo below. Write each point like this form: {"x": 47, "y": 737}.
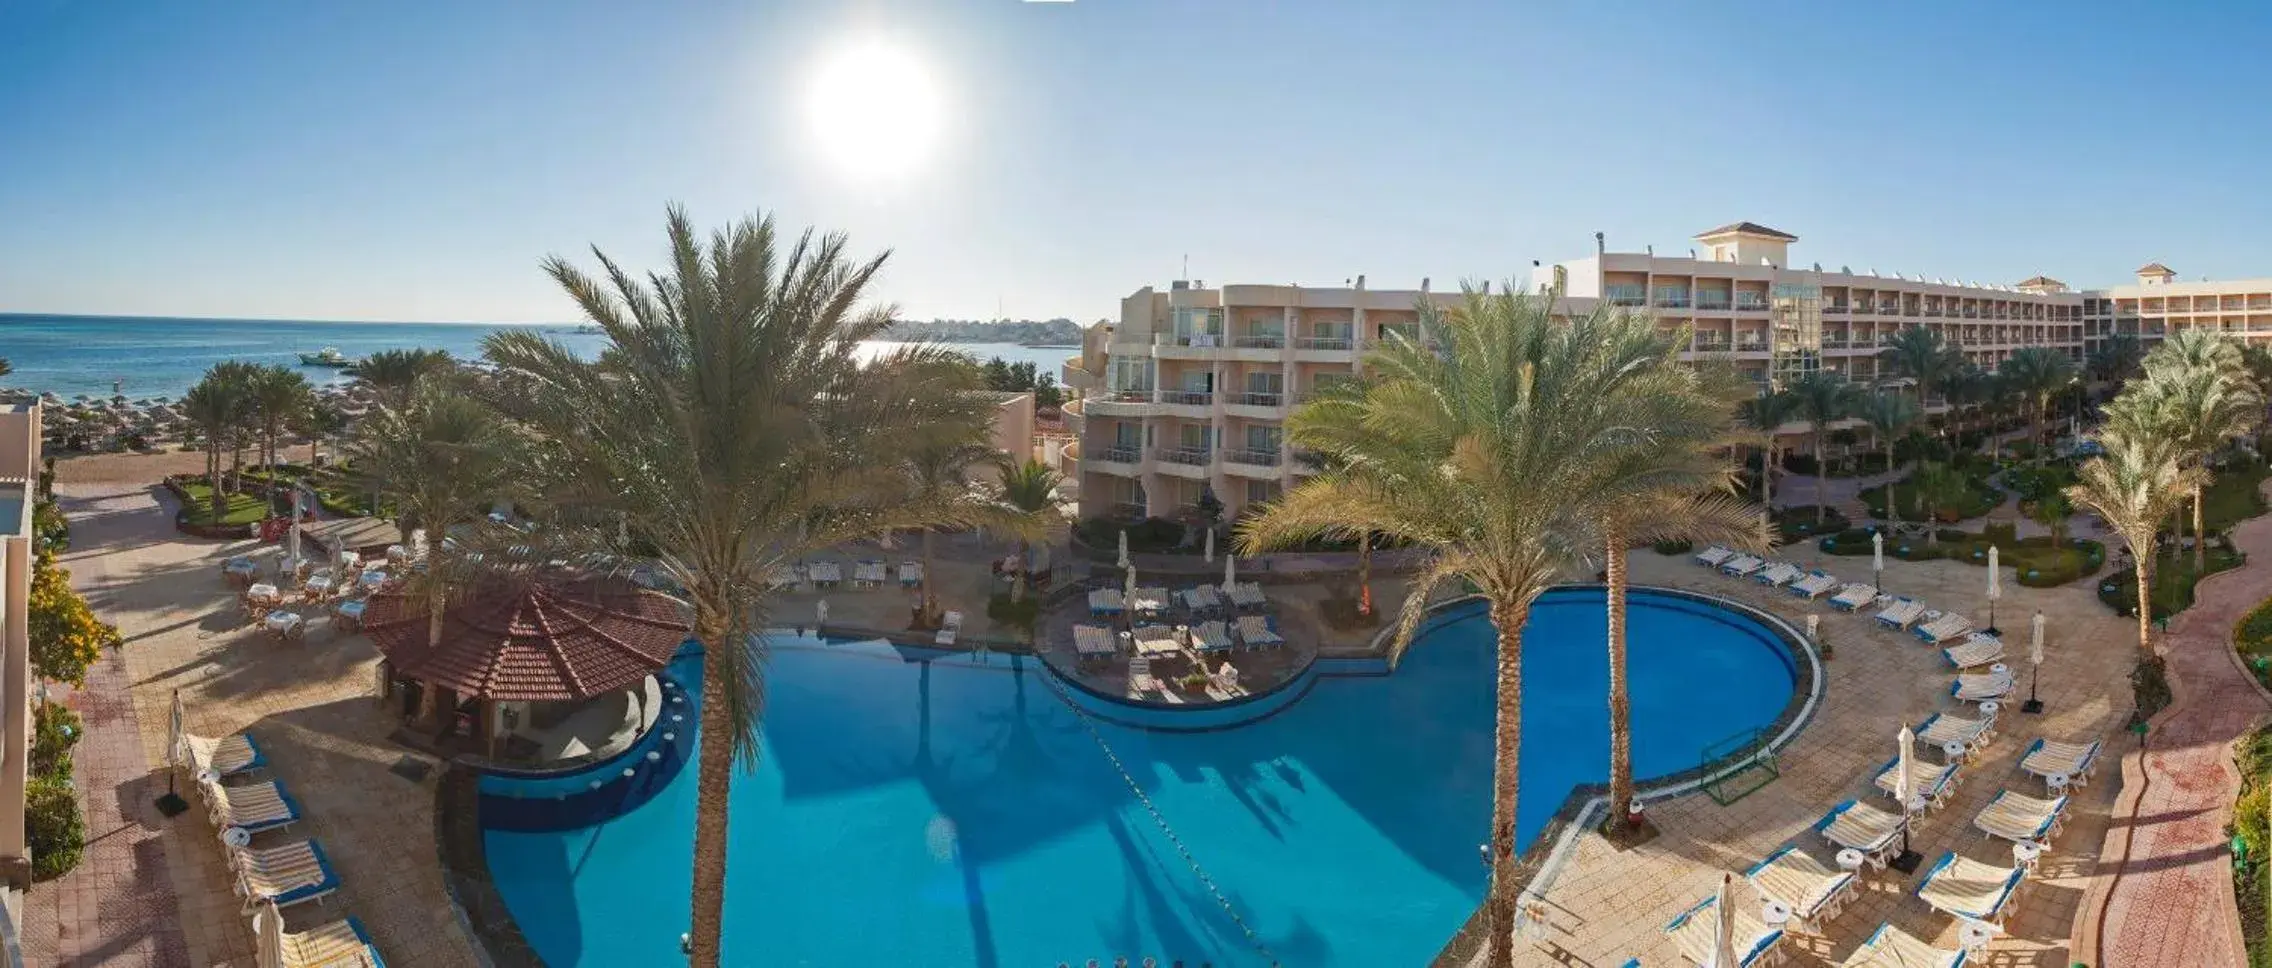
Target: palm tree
{"x": 1029, "y": 490}
{"x": 2051, "y": 511}
{"x": 2136, "y": 484}
{"x": 280, "y": 395}
{"x": 1937, "y": 485}
{"x": 2197, "y": 402}
{"x": 1497, "y": 453}
{"x": 732, "y": 427}
{"x": 2116, "y": 358}
{"x": 212, "y": 405}
{"x": 1921, "y": 355}
{"x": 242, "y": 379}
{"x": 1762, "y": 415}
{"x": 394, "y": 372}
{"x": 939, "y": 472}
{"x": 2037, "y": 374}
{"x": 1823, "y": 397}
{"x": 1889, "y": 416}
{"x": 318, "y": 421}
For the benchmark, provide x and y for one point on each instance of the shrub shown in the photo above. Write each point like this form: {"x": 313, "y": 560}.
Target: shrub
{"x": 1673, "y": 547}
{"x": 1799, "y": 524}
{"x": 53, "y": 828}
{"x": 53, "y": 531}
{"x": 55, "y": 730}
{"x": 1019, "y": 615}
{"x": 2150, "y": 682}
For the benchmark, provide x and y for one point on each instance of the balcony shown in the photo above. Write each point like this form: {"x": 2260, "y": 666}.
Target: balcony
{"x": 1930, "y": 311}
{"x": 1256, "y": 399}
{"x": 1120, "y": 403}
{"x": 1268, "y": 341}
{"x": 1708, "y": 344}
{"x": 1672, "y": 302}
{"x": 1751, "y": 305}
{"x": 1751, "y": 346}
{"x": 1252, "y": 463}
{"x": 1863, "y": 309}
{"x": 1122, "y": 461}
{"x": 1635, "y": 301}
{"x": 1341, "y": 343}
{"x": 1890, "y": 309}
{"x": 1186, "y": 462}
{"x": 1715, "y": 301}
{"x": 1835, "y": 308}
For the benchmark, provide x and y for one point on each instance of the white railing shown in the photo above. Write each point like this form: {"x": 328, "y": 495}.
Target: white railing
{"x": 1258, "y": 399}
{"x": 1323, "y": 343}
{"x": 1258, "y": 342}
{"x": 1195, "y": 456}
{"x": 1263, "y": 458}
{"x": 1189, "y": 398}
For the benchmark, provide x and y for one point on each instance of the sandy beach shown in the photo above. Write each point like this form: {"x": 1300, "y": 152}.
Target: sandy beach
{"x": 130, "y": 467}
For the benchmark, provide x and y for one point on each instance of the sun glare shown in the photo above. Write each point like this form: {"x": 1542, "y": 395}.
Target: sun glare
{"x": 873, "y": 109}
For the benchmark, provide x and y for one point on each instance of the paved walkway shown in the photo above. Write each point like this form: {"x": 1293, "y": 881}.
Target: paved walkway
{"x": 2170, "y": 898}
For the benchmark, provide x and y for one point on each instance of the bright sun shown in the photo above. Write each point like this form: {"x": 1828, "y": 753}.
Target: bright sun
{"x": 873, "y": 109}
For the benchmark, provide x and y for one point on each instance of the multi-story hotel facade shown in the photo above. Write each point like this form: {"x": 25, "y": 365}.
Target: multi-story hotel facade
{"x": 2159, "y": 304}
{"x": 1187, "y": 393}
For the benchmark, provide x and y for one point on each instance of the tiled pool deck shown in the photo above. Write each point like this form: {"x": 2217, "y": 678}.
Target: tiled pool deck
{"x": 308, "y": 703}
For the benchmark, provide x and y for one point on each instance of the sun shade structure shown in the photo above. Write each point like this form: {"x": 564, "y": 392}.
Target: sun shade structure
{"x": 532, "y": 641}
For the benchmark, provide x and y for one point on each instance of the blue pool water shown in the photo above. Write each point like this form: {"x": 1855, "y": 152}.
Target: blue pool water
{"x": 913, "y": 808}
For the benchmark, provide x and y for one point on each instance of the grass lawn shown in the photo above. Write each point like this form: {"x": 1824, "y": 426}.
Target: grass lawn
{"x": 2173, "y": 583}
{"x": 2033, "y": 560}
{"x": 2231, "y": 499}
{"x": 1982, "y": 499}
{"x": 241, "y": 508}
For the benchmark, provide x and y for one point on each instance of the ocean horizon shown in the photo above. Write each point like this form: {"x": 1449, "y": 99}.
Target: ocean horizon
{"x": 163, "y": 356}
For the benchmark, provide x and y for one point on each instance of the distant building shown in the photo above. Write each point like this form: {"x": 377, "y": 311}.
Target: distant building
{"x": 2158, "y": 304}
{"x": 19, "y": 476}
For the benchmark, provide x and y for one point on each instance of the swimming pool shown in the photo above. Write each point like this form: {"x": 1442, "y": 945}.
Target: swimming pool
{"x": 919, "y": 808}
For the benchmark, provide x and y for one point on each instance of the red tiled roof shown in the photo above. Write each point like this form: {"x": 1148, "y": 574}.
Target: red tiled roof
{"x": 2043, "y": 281}
{"x": 2155, "y": 269}
{"x": 532, "y": 642}
{"x": 1747, "y": 228}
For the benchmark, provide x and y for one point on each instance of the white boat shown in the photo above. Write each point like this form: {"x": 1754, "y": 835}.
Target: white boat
{"x": 328, "y": 356}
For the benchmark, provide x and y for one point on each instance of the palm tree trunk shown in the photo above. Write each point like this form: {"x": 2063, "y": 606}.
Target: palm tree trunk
{"x": 1767, "y": 477}
{"x": 2200, "y": 537}
{"x": 1365, "y": 572}
{"x": 1620, "y": 704}
{"x": 1891, "y": 515}
{"x": 930, "y": 604}
{"x": 213, "y": 477}
{"x": 1507, "y": 618}
{"x": 1821, "y": 479}
{"x": 1017, "y": 581}
{"x": 2145, "y": 572}
{"x": 714, "y": 770}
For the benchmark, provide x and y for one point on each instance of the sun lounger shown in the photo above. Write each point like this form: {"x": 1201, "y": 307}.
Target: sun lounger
{"x": 911, "y": 573}
{"x": 1156, "y": 640}
{"x": 1892, "y": 947}
{"x": 1813, "y": 890}
{"x": 1874, "y": 831}
{"x": 1741, "y": 565}
{"x": 1140, "y": 678}
{"x": 1247, "y": 594}
{"x": 1901, "y": 614}
{"x": 868, "y": 574}
{"x": 1944, "y": 628}
{"x": 1934, "y": 781}
{"x": 287, "y": 875}
{"x": 2017, "y": 817}
{"x": 1257, "y": 632}
{"x": 1713, "y": 556}
{"x": 261, "y": 806}
{"x": 1815, "y": 585}
{"x": 1981, "y": 686}
{"x": 1202, "y": 598}
{"x": 225, "y": 756}
{"x": 347, "y": 616}
{"x": 340, "y": 944}
{"x": 1149, "y": 601}
{"x": 1977, "y": 650}
{"x": 1778, "y": 573}
{"x": 1092, "y": 642}
{"x": 1106, "y": 601}
{"x": 1853, "y": 597}
{"x": 1211, "y": 636}
{"x": 1693, "y": 932}
{"x": 949, "y": 627}
{"x": 824, "y": 572}
{"x": 1941, "y": 729}
{"x": 2077, "y": 761}
{"x": 1966, "y": 888}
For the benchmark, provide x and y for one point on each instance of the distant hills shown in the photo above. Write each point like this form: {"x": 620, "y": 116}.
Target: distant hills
{"x": 1052, "y": 332}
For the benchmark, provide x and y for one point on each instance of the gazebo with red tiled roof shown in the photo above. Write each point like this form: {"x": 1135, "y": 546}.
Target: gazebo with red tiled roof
{"x": 544, "y": 640}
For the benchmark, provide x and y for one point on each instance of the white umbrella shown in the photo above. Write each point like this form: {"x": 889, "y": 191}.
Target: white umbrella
{"x": 1995, "y": 587}
{"x": 1230, "y": 572}
{"x": 1128, "y": 592}
{"x": 1877, "y": 551}
{"x": 1724, "y": 928}
{"x": 2035, "y": 640}
{"x": 1814, "y": 628}
{"x": 1904, "y": 776}
{"x": 268, "y": 928}
{"x": 1123, "y": 548}
{"x": 820, "y": 612}
{"x": 1210, "y": 554}
{"x": 174, "y": 735}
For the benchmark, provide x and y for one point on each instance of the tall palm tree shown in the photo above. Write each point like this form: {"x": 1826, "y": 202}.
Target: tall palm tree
{"x": 1762, "y": 415}
{"x": 1937, "y": 485}
{"x": 2135, "y": 484}
{"x": 213, "y": 405}
{"x": 1029, "y": 490}
{"x": 732, "y": 427}
{"x": 318, "y": 421}
{"x": 280, "y": 395}
{"x": 2037, "y": 374}
{"x": 393, "y": 373}
{"x": 2197, "y": 405}
{"x": 1497, "y": 453}
{"x": 1889, "y": 416}
{"x": 242, "y": 380}
{"x": 2116, "y": 358}
{"x": 940, "y": 472}
{"x": 1823, "y": 397}
{"x": 1923, "y": 356}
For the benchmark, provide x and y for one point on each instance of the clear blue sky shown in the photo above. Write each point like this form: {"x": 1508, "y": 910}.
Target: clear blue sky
{"x": 414, "y": 160}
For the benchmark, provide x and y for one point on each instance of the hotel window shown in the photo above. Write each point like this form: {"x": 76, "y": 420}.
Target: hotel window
{"x": 1675, "y": 296}
{"x": 1132, "y": 375}
{"x": 1198, "y": 322}
{"x": 1272, "y": 383}
{"x": 1627, "y": 294}
{"x": 1264, "y": 439}
{"x": 1258, "y": 492}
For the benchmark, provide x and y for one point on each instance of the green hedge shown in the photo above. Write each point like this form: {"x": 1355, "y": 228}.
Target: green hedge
{"x": 55, "y": 730}
{"x": 2032, "y": 483}
{"x": 1151, "y": 535}
{"x": 1673, "y": 548}
{"x": 53, "y": 828}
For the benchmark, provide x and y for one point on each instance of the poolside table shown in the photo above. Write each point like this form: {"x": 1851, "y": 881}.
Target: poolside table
{"x": 282, "y": 624}
{"x": 263, "y": 591}
{"x": 318, "y": 586}
{"x": 373, "y": 578}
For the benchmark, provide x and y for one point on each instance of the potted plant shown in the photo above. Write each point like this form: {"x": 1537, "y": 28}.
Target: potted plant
{"x": 1194, "y": 682}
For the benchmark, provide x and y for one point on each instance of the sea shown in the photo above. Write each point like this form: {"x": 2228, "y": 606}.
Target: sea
{"x": 149, "y": 356}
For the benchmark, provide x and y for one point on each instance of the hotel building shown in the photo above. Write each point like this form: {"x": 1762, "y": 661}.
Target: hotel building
{"x": 19, "y": 475}
{"x": 2159, "y": 305}
{"x": 1188, "y": 392}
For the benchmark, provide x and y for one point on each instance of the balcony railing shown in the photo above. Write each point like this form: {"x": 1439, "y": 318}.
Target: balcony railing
{"x": 1930, "y": 312}
{"x": 1258, "y": 399}
{"x": 1672, "y": 302}
{"x": 1187, "y": 339}
{"x": 1323, "y": 343}
{"x": 1711, "y": 345}
{"x": 1752, "y": 305}
{"x": 1751, "y": 345}
{"x": 1863, "y": 309}
{"x": 1264, "y": 342}
{"x": 1121, "y": 455}
{"x": 1189, "y": 398}
{"x": 1712, "y": 301}
{"x": 1834, "y": 308}
{"x": 1261, "y": 458}
{"x": 1129, "y": 396}
{"x": 1193, "y": 456}
{"x": 1889, "y": 309}
{"x": 1628, "y": 300}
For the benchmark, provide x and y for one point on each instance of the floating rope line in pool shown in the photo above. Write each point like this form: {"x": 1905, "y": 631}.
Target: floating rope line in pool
{"x": 1205, "y": 880}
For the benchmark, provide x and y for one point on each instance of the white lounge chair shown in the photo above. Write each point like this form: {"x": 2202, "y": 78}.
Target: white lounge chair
{"x": 1966, "y": 888}
{"x": 1902, "y": 614}
{"x": 1255, "y": 631}
{"x": 1981, "y": 686}
{"x": 1741, "y": 566}
{"x": 1211, "y": 636}
{"x": 1202, "y": 598}
{"x": 1892, "y": 947}
{"x": 1944, "y": 628}
{"x": 258, "y": 807}
{"x": 1247, "y": 594}
{"x": 1815, "y": 585}
{"x": 1149, "y": 601}
{"x": 1853, "y": 597}
{"x": 1941, "y": 729}
{"x": 1092, "y": 642}
{"x": 1874, "y": 831}
{"x": 949, "y": 628}
{"x": 1977, "y": 650}
{"x": 290, "y": 874}
{"x": 1934, "y": 781}
{"x": 825, "y": 573}
{"x": 1713, "y": 556}
{"x": 1106, "y": 601}
{"x": 2018, "y": 817}
{"x": 1140, "y": 678}
{"x": 2075, "y": 761}
{"x": 340, "y": 944}
{"x": 224, "y": 756}
{"x": 1813, "y": 890}
{"x": 1778, "y": 573}
{"x": 1693, "y": 931}
{"x": 911, "y": 573}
